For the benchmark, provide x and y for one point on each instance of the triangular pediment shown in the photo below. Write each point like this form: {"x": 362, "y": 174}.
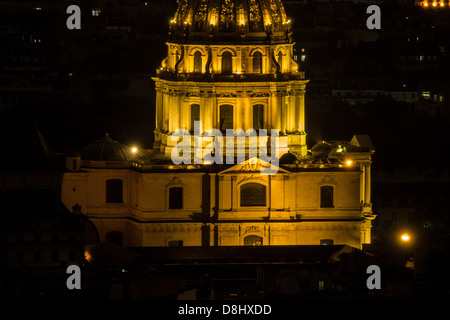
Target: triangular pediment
{"x": 255, "y": 165}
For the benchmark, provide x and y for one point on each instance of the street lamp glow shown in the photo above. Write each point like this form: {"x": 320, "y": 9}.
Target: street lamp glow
{"x": 134, "y": 149}
{"x": 405, "y": 237}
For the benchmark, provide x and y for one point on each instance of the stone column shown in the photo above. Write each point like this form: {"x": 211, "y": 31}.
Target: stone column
{"x": 284, "y": 114}
{"x": 234, "y": 202}
{"x": 301, "y": 119}
{"x": 367, "y": 183}
{"x": 239, "y": 110}
{"x": 248, "y": 119}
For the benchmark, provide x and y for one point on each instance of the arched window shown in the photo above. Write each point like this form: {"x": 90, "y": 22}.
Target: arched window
{"x": 257, "y": 62}
{"x": 253, "y": 241}
{"x": 195, "y": 115}
{"x": 114, "y": 191}
{"x": 227, "y": 63}
{"x": 198, "y": 67}
{"x": 258, "y": 117}
{"x": 280, "y": 60}
{"x": 176, "y": 198}
{"x": 226, "y": 117}
{"x": 253, "y": 195}
{"x": 326, "y": 197}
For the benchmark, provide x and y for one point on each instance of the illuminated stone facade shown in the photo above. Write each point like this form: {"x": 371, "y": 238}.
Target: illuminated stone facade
{"x": 229, "y": 65}
{"x": 231, "y": 68}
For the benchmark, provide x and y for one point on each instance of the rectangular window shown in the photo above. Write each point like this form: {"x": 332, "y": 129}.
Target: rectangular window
{"x": 321, "y": 285}
{"x": 258, "y": 117}
{"x": 227, "y": 63}
{"x": 326, "y": 197}
{"x": 195, "y": 115}
{"x": 176, "y": 198}
{"x": 326, "y": 242}
{"x": 226, "y": 117}
{"x": 257, "y": 62}
{"x": 114, "y": 191}
{"x": 253, "y": 195}
{"x": 175, "y": 243}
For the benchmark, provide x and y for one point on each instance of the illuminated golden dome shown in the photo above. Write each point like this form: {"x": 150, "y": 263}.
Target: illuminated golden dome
{"x": 222, "y": 20}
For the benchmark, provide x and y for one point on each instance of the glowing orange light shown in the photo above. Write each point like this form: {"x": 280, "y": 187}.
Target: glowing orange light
{"x": 349, "y": 162}
{"x": 405, "y": 237}
{"x": 87, "y": 256}
{"x": 134, "y": 149}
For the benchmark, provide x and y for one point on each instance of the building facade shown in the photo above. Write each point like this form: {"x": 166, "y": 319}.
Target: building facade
{"x": 229, "y": 65}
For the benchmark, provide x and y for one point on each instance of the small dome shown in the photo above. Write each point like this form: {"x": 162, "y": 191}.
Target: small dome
{"x": 252, "y": 20}
{"x": 321, "y": 149}
{"x": 106, "y": 149}
{"x": 288, "y": 158}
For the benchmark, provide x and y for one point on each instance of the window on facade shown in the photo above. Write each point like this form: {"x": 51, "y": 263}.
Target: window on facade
{"x": 326, "y": 197}
{"x": 195, "y": 115}
{"x": 257, "y": 62}
{"x": 227, "y": 63}
{"x": 176, "y": 198}
{"x": 321, "y": 285}
{"x": 198, "y": 62}
{"x": 258, "y": 117}
{"x": 226, "y": 117}
{"x": 175, "y": 243}
{"x": 253, "y": 195}
{"x": 114, "y": 191}
{"x": 326, "y": 242}
{"x": 253, "y": 241}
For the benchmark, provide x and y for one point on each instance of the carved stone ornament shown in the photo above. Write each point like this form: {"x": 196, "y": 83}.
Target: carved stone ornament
{"x": 252, "y": 229}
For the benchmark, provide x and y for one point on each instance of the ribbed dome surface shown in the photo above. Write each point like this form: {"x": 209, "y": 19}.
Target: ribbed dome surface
{"x": 218, "y": 19}
{"x": 106, "y": 149}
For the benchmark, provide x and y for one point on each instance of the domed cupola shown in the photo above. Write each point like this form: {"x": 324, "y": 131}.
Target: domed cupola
{"x": 230, "y": 64}
{"x": 106, "y": 149}
{"x": 199, "y": 21}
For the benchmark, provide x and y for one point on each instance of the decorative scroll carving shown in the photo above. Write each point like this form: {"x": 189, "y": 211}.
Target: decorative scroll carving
{"x": 259, "y": 94}
{"x": 252, "y": 167}
{"x": 226, "y": 95}
{"x": 253, "y": 177}
{"x": 252, "y": 229}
